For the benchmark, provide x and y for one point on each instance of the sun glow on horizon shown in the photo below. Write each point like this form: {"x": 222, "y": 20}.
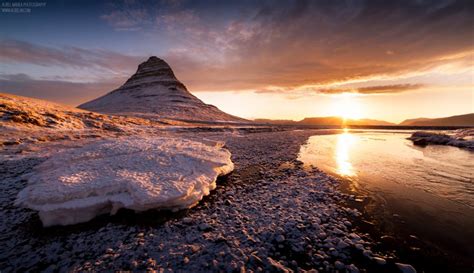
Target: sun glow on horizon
{"x": 347, "y": 106}
{"x": 388, "y": 107}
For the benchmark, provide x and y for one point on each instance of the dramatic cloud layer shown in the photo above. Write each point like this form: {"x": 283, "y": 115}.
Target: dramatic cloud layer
{"x": 274, "y": 47}
{"x": 297, "y": 43}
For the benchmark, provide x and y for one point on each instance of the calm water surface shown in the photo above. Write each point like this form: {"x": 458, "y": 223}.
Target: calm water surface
{"x": 431, "y": 188}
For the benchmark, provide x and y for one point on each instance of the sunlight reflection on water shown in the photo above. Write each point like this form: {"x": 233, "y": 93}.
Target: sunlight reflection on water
{"x": 344, "y": 166}
{"x": 388, "y": 161}
{"x": 423, "y": 185}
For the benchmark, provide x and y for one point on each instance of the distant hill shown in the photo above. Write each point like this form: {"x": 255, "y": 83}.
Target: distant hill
{"x": 275, "y": 121}
{"x": 460, "y": 120}
{"x": 341, "y": 121}
{"x": 321, "y": 121}
{"x": 325, "y": 121}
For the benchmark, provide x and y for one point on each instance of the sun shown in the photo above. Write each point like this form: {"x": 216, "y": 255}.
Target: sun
{"x": 347, "y": 106}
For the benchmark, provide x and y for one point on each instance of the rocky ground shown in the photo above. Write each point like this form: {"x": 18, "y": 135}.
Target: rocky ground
{"x": 270, "y": 215}
{"x": 462, "y": 138}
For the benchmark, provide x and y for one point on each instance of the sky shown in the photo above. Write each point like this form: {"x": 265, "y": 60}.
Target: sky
{"x": 389, "y": 60}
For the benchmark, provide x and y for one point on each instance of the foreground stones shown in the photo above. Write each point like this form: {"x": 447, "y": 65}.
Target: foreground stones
{"x": 262, "y": 217}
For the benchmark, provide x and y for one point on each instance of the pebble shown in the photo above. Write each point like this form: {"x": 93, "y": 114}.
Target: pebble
{"x": 367, "y": 253}
{"x": 352, "y": 269}
{"x": 339, "y": 265}
{"x": 342, "y": 245}
{"x": 280, "y": 238}
{"x": 187, "y": 220}
{"x": 380, "y": 261}
{"x": 405, "y": 268}
{"x": 205, "y": 227}
{"x": 195, "y": 248}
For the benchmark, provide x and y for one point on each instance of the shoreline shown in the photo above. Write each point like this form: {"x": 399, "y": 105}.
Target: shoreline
{"x": 266, "y": 216}
{"x": 270, "y": 213}
{"x": 403, "y": 229}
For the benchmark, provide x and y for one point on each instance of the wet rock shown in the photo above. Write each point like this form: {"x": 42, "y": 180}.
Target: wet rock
{"x": 420, "y": 142}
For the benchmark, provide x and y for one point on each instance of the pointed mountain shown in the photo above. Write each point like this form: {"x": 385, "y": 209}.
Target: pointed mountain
{"x": 155, "y": 92}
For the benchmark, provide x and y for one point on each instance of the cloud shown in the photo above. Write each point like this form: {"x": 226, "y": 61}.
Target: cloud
{"x": 182, "y": 18}
{"x": 128, "y": 16}
{"x": 58, "y": 91}
{"x": 297, "y": 43}
{"x": 15, "y": 51}
{"x": 296, "y": 47}
{"x": 383, "y": 89}
{"x": 369, "y": 90}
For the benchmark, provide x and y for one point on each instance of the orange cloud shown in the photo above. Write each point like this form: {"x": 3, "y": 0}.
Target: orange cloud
{"x": 294, "y": 46}
{"x": 378, "y": 89}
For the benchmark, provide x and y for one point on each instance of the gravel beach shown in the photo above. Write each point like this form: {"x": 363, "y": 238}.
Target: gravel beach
{"x": 270, "y": 215}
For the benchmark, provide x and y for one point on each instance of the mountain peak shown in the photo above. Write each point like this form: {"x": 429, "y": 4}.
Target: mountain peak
{"x": 154, "y": 91}
{"x": 154, "y": 61}
{"x": 153, "y": 70}
{"x": 154, "y": 58}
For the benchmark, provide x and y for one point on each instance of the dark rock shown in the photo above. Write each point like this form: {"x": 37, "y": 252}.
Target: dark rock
{"x": 420, "y": 142}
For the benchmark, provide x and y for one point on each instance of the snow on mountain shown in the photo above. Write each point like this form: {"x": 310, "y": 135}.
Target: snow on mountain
{"x": 137, "y": 173}
{"x": 154, "y": 92}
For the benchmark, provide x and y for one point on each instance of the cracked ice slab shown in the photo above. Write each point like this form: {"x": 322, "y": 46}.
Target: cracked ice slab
{"x": 136, "y": 173}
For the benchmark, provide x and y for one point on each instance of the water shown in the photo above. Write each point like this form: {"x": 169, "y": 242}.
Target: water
{"x": 431, "y": 188}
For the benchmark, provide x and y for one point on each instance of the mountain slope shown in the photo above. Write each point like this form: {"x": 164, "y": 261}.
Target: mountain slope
{"x": 23, "y": 112}
{"x": 154, "y": 92}
{"x": 460, "y": 120}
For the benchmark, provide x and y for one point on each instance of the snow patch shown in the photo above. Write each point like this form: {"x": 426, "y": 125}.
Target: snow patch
{"x": 135, "y": 173}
